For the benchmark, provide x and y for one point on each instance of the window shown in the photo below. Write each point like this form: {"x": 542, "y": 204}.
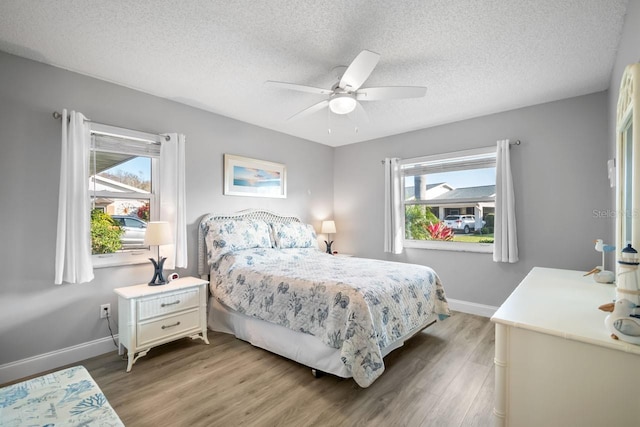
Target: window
{"x": 449, "y": 200}
{"x": 123, "y": 172}
{"x": 90, "y": 149}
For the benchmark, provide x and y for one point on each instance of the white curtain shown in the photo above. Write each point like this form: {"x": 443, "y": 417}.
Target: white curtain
{"x": 73, "y": 243}
{"x": 505, "y": 236}
{"x": 393, "y": 217}
{"x": 173, "y": 207}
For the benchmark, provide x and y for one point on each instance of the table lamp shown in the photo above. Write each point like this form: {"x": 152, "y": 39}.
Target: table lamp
{"x": 328, "y": 228}
{"x": 158, "y": 233}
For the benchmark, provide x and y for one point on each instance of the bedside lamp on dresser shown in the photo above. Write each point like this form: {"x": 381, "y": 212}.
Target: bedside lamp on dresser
{"x": 328, "y": 228}
{"x": 158, "y": 233}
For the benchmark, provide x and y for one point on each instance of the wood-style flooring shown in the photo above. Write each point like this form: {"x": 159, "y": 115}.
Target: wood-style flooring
{"x": 442, "y": 377}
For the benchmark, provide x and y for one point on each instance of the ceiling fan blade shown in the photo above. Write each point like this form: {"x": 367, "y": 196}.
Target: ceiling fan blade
{"x": 310, "y": 110}
{"x": 359, "y": 70}
{"x": 390, "y": 92}
{"x": 360, "y": 113}
{"x": 300, "y": 88}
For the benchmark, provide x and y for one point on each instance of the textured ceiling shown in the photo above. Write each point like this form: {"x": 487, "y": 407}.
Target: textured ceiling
{"x": 475, "y": 56}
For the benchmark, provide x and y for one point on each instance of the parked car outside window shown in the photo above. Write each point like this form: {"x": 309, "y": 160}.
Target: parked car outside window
{"x": 464, "y": 223}
{"x": 134, "y": 229}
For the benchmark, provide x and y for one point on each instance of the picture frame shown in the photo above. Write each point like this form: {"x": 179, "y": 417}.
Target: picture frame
{"x": 244, "y": 176}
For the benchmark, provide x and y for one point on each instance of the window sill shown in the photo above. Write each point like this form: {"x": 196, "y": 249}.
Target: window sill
{"x": 121, "y": 259}
{"x": 485, "y": 248}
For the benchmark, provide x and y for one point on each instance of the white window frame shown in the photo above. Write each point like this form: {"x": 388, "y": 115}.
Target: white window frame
{"x": 133, "y": 256}
{"x": 405, "y": 165}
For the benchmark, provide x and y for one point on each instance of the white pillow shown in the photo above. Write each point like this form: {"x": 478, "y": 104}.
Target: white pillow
{"x": 294, "y": 235}
{"x": 223, "y": 237}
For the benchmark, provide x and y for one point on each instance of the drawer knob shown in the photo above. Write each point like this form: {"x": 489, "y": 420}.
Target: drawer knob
{"x": 165, "y": 304}
{"x": 170, "y": 326}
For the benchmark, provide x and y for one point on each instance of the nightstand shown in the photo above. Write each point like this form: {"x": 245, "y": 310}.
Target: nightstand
{"x": 152, "y": 315}
{"x": 343, "y": 255}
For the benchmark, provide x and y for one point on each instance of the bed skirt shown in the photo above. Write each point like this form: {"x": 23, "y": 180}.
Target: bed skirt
{"x": 297, "y": 346}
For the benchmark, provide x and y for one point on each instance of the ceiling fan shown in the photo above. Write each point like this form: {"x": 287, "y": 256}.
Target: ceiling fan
{"x": 344, "y": 96}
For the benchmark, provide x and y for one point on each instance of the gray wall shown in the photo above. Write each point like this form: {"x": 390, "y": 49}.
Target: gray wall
{"x": 560, "y": 178}
{"x": 35, "y": 315}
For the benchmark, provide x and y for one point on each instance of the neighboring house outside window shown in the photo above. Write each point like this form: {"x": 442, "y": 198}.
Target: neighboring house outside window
{"x": 449, "y": 200}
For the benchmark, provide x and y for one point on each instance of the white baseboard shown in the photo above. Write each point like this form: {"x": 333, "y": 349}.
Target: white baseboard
{"x": 472, "y": 307}
{"x": 54, "y": 359}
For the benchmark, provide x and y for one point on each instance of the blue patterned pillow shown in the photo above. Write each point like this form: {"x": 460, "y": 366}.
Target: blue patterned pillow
{"x": 227, "y": 236}
{"x": 294, "y": 235}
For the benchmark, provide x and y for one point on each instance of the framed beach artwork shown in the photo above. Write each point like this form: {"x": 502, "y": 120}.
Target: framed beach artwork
{"x": 256, "y": 178}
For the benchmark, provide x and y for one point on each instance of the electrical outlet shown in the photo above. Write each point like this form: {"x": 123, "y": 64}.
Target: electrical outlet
{"x": 105, "y": 310}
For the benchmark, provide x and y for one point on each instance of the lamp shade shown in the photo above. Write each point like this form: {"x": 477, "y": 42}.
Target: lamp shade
{"x": 158, "y": 233}
{"x": 328, "y": 227}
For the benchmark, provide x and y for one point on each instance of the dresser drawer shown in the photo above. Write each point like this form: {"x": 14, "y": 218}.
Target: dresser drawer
{"x": 167, "y": 303}
{"x": 168, "y": 326}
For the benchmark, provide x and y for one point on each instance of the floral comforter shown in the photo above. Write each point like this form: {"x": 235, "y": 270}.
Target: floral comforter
{"x": 356, "y": 305}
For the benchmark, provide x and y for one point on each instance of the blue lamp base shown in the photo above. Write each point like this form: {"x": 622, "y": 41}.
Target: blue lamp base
{"x": 158, "y": 278}
{"x": 329, "y": 251}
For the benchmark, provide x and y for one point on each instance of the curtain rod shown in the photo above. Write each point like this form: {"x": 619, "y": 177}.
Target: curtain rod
{"x": 56, "y": 115}
{"x": 516, "y": 142}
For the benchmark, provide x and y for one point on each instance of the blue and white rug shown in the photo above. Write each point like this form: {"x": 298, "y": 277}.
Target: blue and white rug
{"x": 65, "y": 398}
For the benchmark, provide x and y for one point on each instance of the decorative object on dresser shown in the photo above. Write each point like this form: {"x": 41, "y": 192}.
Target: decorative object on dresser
{"x": 158, "y": 233}
{"x": 251, "y": 177}
{"x": 150, "y": 316}
{"x": 555, "y": 364}
{"x": 328, "y": 228}
{"x": 624, "y": 321}
{"x": 600, "y": 273}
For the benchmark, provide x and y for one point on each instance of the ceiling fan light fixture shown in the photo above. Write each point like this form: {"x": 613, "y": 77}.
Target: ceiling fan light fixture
{"x": 342, "y": 103}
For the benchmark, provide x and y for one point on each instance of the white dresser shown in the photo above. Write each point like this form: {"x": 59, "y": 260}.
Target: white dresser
{"x": 556, "y": 365}
{"x": 152, "y": 315}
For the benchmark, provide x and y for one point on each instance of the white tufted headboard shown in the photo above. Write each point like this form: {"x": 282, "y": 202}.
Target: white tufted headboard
{"x": 203, "y": 268}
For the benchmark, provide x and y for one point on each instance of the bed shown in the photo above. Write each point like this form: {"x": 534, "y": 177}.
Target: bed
{"x": 271, "y": 285}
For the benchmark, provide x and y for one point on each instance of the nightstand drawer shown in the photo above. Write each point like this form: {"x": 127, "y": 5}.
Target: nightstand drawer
{"x": 171, "y": 303}
{"x": 167, "y": 326}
